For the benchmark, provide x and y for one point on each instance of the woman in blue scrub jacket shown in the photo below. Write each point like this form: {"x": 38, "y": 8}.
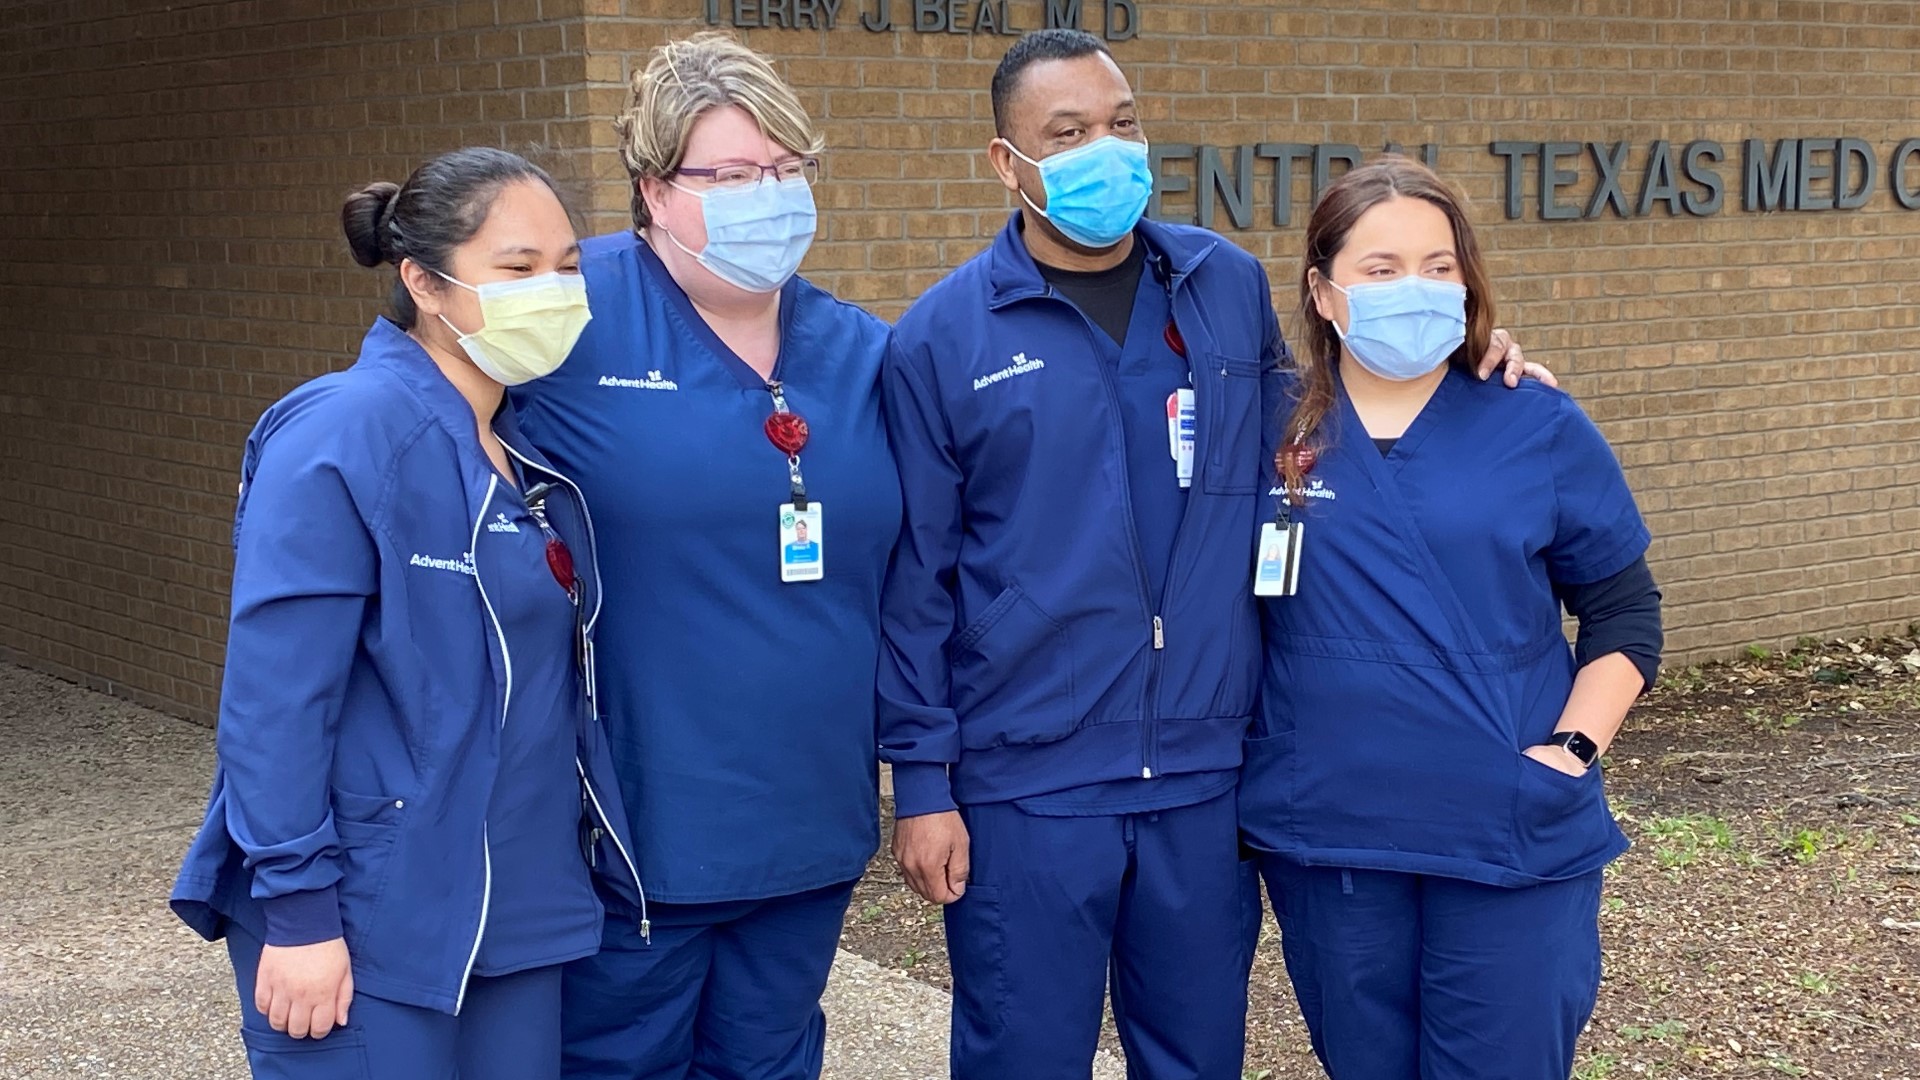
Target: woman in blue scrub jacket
{"x": 1422, "y": 781}
{"x": 723, "y": 416}
{"x": 411, "y": 783}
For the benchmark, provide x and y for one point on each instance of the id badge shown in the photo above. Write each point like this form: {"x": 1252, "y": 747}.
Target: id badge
{"x": 1180, "y": 426}
{"x": 1276, "y": 568}
{"x": 802, "y": 543}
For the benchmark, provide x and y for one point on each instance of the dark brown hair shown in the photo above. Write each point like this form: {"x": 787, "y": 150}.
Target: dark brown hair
{"x": 1339, "y": 208}
{"x": 439, "y": 208}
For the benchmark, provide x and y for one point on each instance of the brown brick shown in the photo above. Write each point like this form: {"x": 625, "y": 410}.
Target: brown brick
{"x": 1759, "y": 374}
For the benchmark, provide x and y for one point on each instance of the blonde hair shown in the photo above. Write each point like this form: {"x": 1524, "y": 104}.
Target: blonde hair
{"x": 685, "y": 78}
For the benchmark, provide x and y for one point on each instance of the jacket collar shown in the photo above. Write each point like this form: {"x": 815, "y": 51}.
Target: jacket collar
{"x": 1014, "y": 276}
{"x": 388, "y": 347}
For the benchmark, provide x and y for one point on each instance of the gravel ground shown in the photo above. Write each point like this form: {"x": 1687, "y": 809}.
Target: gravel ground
{"x": 1766, "y": 923}
{"x": 98, "y": 798}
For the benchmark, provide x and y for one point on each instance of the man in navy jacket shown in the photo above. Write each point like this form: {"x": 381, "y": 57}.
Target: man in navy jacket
{"x": 1083, "y": 416}
{"x": 1072, "y": 652}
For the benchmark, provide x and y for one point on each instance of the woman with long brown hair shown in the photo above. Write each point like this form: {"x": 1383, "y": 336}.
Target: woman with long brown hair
{"x": 1422, "y": 782}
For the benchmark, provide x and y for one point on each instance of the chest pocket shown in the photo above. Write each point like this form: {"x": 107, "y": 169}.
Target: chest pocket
{"x": 1232, "y": 426}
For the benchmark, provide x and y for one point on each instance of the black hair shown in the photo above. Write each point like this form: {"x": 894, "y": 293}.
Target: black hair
{"x": 1033, "y": 47}
{"x": 439, "y": 208}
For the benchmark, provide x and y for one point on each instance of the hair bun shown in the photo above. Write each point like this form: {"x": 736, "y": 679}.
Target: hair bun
{"x": 364, "y": 219}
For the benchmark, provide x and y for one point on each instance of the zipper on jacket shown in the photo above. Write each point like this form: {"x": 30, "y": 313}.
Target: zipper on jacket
{"x": 506, "y": 701}
{"x": 586, "y": 785}
{"x": 586, "y": 519}
{"x": 1150, "y": 696}
{"x": 486, "y": 901}
{"x": 591, "y": 677}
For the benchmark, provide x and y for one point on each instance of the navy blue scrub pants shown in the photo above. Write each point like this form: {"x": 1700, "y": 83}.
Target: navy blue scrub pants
{"x": 508, "y": 1029}
{"x": 727, "y": 991}
{"x": 1157, "y": 904}
{"x": 1413, "y": 977}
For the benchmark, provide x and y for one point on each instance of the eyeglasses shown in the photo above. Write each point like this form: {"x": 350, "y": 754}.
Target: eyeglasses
{"x": 740, "y": 177}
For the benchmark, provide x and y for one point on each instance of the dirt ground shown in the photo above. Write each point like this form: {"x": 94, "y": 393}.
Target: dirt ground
{"x": 1766, "y": 923}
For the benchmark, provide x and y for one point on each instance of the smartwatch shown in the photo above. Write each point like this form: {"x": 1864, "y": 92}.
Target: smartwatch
{"x": 1578, "y": 745}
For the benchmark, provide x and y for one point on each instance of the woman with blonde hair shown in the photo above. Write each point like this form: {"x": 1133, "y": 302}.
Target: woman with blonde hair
{"x": 714, "y": 411}
{"x": 1422, "y": 779}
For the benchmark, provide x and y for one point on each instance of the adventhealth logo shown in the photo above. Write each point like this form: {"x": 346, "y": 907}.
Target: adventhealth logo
{"x": 1021, "y": 366}
{"x": 654, "y": 381}
{"x": 461, "y": 565}
{"x": 502, "y": 525}
{"x": 1316, "y": 489}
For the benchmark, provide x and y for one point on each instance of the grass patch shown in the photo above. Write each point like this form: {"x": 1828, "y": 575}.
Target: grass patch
{"x": 1685, "y": 680}
{"x": 1805, "y": 845}
{"x": 1597, "y": 1067}
{"x": 1680, "y": 842}
{"x": 1771, "y": 721}
{"x": 1814, "y": 983}
{"x": 1664, "y": 1031}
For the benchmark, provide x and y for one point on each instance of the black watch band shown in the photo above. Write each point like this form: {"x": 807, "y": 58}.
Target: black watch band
{"x": 1578, "y": 745}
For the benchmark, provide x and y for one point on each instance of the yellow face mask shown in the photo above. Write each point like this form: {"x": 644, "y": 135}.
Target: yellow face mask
{"x": 528, "y": 325}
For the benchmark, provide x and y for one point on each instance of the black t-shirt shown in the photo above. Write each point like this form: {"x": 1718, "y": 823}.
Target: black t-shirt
{"x": 1104, "y": 296}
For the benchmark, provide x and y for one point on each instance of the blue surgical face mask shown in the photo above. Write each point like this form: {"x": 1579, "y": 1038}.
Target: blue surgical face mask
{"x": 756, "y": 236}
{"x": 1095, "y": 193}
{"x": 1404, "y": 328}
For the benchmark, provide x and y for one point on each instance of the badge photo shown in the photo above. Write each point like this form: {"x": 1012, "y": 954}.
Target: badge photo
{"x": 1276, "y": 567}
{"x": 802, "y": 543}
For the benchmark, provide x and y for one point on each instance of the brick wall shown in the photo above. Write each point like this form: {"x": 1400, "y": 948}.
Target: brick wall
{"x": 169, "y": 205}
{"x": 171, "y": 210}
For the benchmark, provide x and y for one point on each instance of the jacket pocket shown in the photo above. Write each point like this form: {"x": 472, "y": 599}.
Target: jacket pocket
{"x": 1013, "y": 676}
{"x": 1239, "y": 685}
{"x": 1393, "y": 756}
{"x": 1559, "y": 820}
{"x": 1266, "y": 792}
{"x": 1233, "y": 426}
{"x": 364, "y": 816}
{"x": 368, "y": 826}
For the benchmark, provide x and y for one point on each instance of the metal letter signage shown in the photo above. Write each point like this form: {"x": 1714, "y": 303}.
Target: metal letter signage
{"x": 995, "y": 17}
{"x": 1560, "y": 180}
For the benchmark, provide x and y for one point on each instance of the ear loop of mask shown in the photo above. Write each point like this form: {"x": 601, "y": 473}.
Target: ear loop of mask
{"x": 457, "y": 332}
{"x": 691, "y": 254}
{"x": 1328, "y": 282}
{"x": 1015, "y": 151}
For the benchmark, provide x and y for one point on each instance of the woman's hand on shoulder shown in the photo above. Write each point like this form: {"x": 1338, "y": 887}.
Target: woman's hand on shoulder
{"x": 304, "y": 990}
{"x": 1504, "y": 352}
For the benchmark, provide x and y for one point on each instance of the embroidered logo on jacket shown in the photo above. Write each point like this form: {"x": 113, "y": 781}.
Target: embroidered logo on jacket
{"x": 502, "y": 525}
{"x": 1316, "y": 489}
{"x": 461, "y": 565}
{"x": 1021, "y": 366}
{"x": 654, "y": 381}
